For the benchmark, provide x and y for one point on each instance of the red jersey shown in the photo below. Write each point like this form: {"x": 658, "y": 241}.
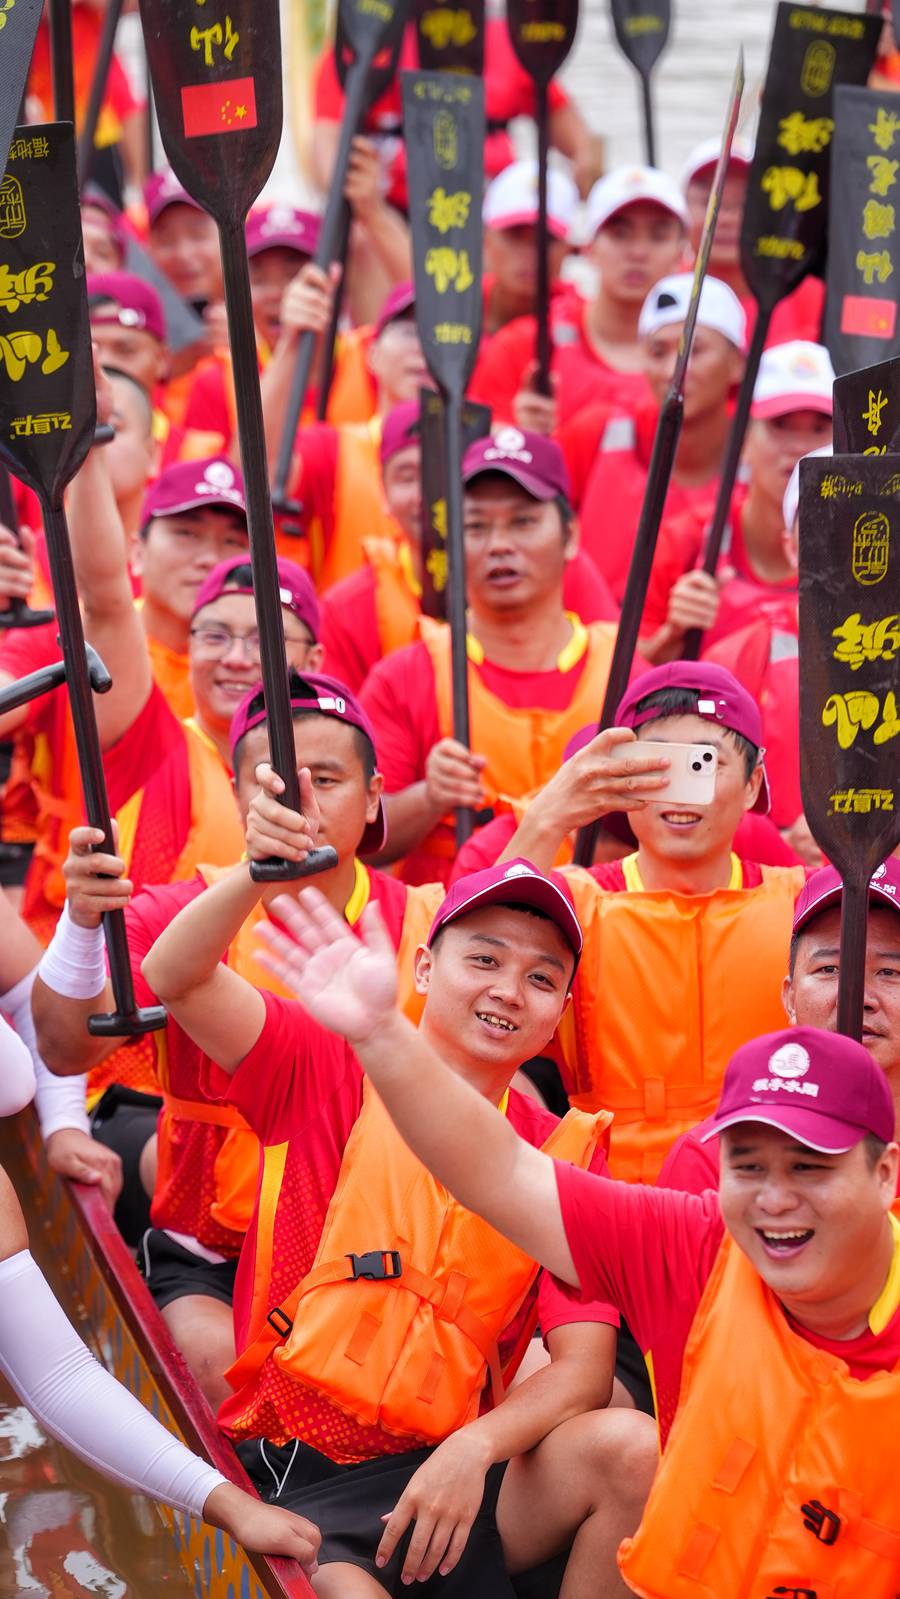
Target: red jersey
{"x": 608, "y": 459}
{"x": 349, "y": 616}
{"x": 651, "y": 1251}
{"x": 764, "y": 657}
{"x": 691, "y": 1166}
{"x": 509, "y": 92}
{"x": 300, "y": 1089}
{"x": 584, "y": 377}
{"x": 742, "y": 597}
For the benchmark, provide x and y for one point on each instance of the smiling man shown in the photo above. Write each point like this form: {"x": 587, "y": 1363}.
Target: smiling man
{"x": 772, "y": 1308}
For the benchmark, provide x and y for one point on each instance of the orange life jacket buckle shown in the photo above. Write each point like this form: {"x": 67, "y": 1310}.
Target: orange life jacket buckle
{"x": 825, "y": 1524}
{"x": 279, "y": 1322}
{"x": 373, "y": 1265}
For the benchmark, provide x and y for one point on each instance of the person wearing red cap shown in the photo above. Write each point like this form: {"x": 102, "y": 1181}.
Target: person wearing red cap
{"x": 336, "y": 468}
{"x": 536, "y": 672}
{"x": 636, "y": 222}
{"x": 608, "y": 453}
{"x": 183, "y": 240}
{"x": 810, "y": 997}
{"x": 128, "y": 328}
{"x": 492, "y": 971}
{"x": 103, "y": 231}
{"x": 771, "y": 1309}
{"x": 799, "y": 314}
{"x": 790, "y": 417}
{"x": 682, "y": 928}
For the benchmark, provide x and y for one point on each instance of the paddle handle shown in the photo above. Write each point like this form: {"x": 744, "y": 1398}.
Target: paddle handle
{"x": 85, "y": 155}
{"x": 127, "y": 1020}
{"x": 660, "y": 471}
{"x": 62, "y": 66}
{"x": 852, "y": 979}
{"x": 328, "y": 354}
{"x": 542, "y": 375}
{"x": 649, "y": 129}
{"x": 456, "y": 590}
{"x": 18, "y": 613}
{"x": 694, "y": 638}
{"x": 330, "y": 236}
{"x": 251, "y": 435}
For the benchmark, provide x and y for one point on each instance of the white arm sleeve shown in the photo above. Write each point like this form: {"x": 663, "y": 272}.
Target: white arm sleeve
{"x": 82, "y": 1405}
{"x": 59, "y": 1101}
{"x": 16, "y": 1068}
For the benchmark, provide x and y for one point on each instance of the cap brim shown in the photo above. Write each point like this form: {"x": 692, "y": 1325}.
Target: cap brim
{"x": 702, "y": 167}
{"x": 821, "y": 1133}
{"x": 282, "y": 241}
{"x": 519, "y": 219}
{"x": 198, "y": 503}
{"x": 636, "y": 199}
{"x": 783, "y": 404}
{"x": 525, "y": 890}
{"x": 833, "y": 896}
{"x": 534, "y": 486}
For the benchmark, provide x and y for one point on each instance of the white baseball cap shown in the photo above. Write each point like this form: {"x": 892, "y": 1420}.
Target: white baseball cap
{"x": 512, "y": 198}
{"x": 626, "y": 186}
{"x": 796, "y": 376}
{"x": 704, "y": 156}
{"x": 670, "y": 298}
{"x": 790, "y": 505}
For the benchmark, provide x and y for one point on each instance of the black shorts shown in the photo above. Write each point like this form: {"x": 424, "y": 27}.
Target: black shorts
{"x": 347, "y": 1504}
{"x": 124, "y": 1120}
{"x": 172, "y": 1272}
{"x": 631, "y": 1370}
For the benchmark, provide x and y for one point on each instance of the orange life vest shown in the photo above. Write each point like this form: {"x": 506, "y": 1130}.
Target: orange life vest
{"x": 771, "y": 1434}
{"x": 237, "y": 1162}
{"x": 353, "y": 396}
{"x": 359, "y": 508}
{"x": 397, "y": 608}
{"x": 669, "y": 986}
{"x": 406, "y": 1352}
{"x": 524, "y": 747}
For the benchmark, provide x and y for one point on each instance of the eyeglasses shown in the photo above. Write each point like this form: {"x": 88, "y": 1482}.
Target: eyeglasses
{"x": 213, "y": 642}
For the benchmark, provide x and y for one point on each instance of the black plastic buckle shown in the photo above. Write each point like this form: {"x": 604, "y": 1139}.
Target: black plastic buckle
{"x": 823, "y": 1523}
{"x": 373, "y": 1265}
{"x": 286, "y": 1326}
{"x": 793, "y": 1593}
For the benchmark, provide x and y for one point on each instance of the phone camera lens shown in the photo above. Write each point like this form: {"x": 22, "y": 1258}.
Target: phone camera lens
{"x": 696, "y": 767}
{"x": 707, "y": 755}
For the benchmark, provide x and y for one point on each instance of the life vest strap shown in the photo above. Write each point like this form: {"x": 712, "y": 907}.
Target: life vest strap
{"x": 196, "y": 1110}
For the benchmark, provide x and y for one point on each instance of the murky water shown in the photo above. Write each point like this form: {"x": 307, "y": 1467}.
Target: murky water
{"x": 65, "y": 1529}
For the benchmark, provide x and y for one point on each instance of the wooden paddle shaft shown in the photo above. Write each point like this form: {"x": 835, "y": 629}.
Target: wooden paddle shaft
{"x": 854, "y": 932}
{"x": 716, "y": 532}
{"x": 85, "y": 155}
{"x": 127, "y": 1020}
{"x": 62, "y": 65}
{"x": 330, "y": 235}
{"x": 328, "y": 353}
{"x": 542, "y": 375}
{"x": 456, "y": 590}
{"x": 649, "y": 132}
{"x": 664, "y": 447}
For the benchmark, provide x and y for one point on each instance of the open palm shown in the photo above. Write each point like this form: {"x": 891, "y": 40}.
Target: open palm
{"x": 347, "y": 984}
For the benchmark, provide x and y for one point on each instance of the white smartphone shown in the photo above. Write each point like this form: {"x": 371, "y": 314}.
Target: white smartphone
{"x": 692, "y": 772}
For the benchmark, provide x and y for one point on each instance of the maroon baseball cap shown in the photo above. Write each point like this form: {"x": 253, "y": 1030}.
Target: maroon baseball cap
{"x": 295, "y": 588}
{"x": 398, "y": 301}
{"x": 284, "y": 227}
{"x": 514, "y": 882}
{"x": 401, "y": 427}
{"x": 535, "y": 463}
{"x": 162, "y": 189}
{"x": 123, "y": 300}
{"x": 821, "y": 1088}
{"x": 313, "y": 691}
{"x": 721, "y": 699}
{"x": 825, "y": 888}
{"x": 187, "y": 485}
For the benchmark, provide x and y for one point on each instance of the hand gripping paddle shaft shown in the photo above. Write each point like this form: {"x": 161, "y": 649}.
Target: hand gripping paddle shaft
{"x": 216, "y": 73}
{"x": 662, "y": 460}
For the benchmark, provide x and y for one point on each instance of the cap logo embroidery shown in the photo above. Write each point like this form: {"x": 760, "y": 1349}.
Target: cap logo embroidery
{"x": 334, "y": 703}
{"x": 509, "y": 439}
{"x": 219, "y": 474}
{"x": 665, "y": 299}
{"x": 878, "y": 873}
{"x": 791, "y": 1060}
{"x": 518, "y": 871}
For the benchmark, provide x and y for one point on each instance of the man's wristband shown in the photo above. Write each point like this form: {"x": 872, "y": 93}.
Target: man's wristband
{"x": 74, "y": 964}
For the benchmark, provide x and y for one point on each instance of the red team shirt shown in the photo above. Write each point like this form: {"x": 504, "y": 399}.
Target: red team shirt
{"x": 650, "y": 1251}
{"x": 302, "y": 1086}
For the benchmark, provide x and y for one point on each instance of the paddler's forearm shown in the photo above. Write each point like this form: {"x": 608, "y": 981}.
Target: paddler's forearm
{"x": 187, "y": 953}
{"x": 466, "y": 1143}
{"x": 577, "y": 1379}
{"x": 539, "y": 834}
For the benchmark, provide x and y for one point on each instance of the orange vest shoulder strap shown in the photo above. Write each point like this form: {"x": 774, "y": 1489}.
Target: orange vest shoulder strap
{"x": 396, "y": 607}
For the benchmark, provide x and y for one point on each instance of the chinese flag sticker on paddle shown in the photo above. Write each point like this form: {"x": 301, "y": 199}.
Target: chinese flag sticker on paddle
{"x": 224, "y": 107}
{"x": 874, "y": 319}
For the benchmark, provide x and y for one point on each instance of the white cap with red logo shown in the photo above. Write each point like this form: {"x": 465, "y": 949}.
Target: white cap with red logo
{"x": 512, "y": 198}
{"x": 705, "y": 155}
{"x": 797, "y": 376}
{"x": 626, "y": 186}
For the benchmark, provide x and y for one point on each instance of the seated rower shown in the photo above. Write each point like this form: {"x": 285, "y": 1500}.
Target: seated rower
{"x": 383, "y": 1411}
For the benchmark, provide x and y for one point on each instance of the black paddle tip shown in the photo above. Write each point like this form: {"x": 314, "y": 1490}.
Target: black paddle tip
{"x": 278, "y": 871}
{"x": 128, "y": 1024}
{"x": 23, "y": 617}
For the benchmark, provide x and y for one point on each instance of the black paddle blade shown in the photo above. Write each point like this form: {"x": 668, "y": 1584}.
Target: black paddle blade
{"x": 863, "y": 258}
{"x": 370, "y": 34}
{"x": 47, "y": 401}
{"x": 786, "y": 214}
{"x": 642, "y": 30}
{"x": 451, "y": 39}
{"x": 17, "y": 36}
{"x": 216, "y": 73}
{"x": 443, "y": 127}
{"x": 542, "y": 32}
{"x": 849, "y": 649}
{"x": 867, "y": 410}
{"x": 476, "y": 422}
